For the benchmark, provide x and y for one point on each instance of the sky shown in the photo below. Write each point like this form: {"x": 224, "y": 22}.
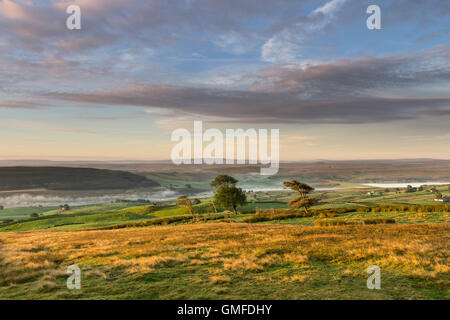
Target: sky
{"x": 137, "y": 70}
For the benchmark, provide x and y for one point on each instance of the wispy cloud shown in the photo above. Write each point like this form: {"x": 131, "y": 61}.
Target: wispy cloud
{"x": 229, "y": 62}
{"x": 344, "y": 91}
{"x": 286, "y": 46}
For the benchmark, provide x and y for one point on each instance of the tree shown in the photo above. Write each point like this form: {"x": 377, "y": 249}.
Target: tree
{"x": 184, "y": 201}
{"x": 223, "y": 180}
{"x": 302, "y": 201}
{"x": 409, "y": 188}
{"x": 227, "y": 194}
{"x": 213, "y": 205}
{"x": 230, "y": 196}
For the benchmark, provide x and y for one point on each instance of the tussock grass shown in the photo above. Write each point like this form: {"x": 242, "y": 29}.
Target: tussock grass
{"x": 229, "y": 261}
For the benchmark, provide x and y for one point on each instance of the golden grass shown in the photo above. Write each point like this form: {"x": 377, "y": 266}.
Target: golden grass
{"x": 419, "y": 250}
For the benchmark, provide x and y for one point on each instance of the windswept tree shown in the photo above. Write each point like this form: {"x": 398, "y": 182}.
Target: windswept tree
{"x": 227, "y": 194}
{"x": 303, "y": 190}
{"x": 213, "y": 205}
{"x": 184, "y": 201}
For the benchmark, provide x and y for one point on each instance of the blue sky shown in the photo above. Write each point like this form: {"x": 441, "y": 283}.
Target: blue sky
{"x": 136, "y": 71}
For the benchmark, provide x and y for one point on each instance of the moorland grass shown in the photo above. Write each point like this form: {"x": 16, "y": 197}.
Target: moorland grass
{"x": 229, "y": 261}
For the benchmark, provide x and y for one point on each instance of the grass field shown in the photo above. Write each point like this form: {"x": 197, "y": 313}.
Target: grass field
{"x": 106, "y": 214}
{"x": 23, "y": 213}
{"x": 355, "y": 217}
{"x": 277, "y": 258}
{"x": 229, "y": 261}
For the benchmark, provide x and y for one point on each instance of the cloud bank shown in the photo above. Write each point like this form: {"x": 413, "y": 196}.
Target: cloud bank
{"x": 344, "y": 91}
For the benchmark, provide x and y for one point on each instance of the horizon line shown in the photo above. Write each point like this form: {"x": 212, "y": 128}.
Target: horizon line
{"x": 224, "y": 159}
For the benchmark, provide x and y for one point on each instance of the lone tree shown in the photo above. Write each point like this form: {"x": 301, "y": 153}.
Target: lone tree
{"x": 227, "y": 194}
{"x": 223, "y": 180}
{"x": 184, "y": 201}
{"x": 302, "y": 201}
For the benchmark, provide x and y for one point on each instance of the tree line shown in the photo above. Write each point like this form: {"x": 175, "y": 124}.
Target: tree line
{"x": 228, "y": 195}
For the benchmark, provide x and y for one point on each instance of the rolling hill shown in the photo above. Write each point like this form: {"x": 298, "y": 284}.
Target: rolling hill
{"x": 64, "y": 178}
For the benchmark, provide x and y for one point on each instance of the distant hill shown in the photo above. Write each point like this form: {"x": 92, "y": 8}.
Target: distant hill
{"x": 64, "y": 178}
